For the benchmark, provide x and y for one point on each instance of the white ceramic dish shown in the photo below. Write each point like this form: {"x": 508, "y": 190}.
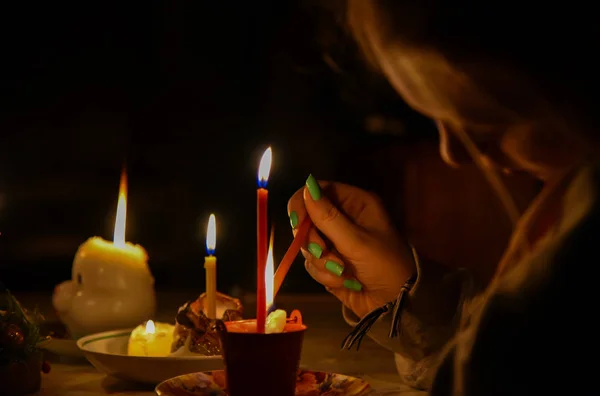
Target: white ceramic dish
{"x": 62, "y": 347}
{"x": 107, "y": 351}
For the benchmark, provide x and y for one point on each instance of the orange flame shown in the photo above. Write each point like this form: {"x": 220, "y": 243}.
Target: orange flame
{"x": 121, "y": 219}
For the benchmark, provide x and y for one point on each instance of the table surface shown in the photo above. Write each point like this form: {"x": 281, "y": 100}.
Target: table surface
{"x": 321, "y": 351}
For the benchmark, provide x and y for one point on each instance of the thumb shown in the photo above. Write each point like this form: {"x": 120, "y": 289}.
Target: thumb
{"x": 328, "y": 218}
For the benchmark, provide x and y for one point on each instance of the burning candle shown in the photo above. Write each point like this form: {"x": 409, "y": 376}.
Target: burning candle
{"x": 276, "y": 320}
{"x": 269, "y": 275}
{"x": 151, "y": 339}
{"x": 111, "y": 285}
{"x": 210, "y": 265}
{"x": 262, "y": 196}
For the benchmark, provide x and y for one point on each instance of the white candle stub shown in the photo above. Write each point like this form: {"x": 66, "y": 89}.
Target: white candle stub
{"x": 151, "y": 339}
{"x": 276, "y": 321}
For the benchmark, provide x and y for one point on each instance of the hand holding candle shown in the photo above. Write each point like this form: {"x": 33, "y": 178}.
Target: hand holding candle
{"x": 210, "y": 265}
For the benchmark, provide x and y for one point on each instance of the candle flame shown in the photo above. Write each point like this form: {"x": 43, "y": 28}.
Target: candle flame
{"x": 211, "y": 235}
{"x": 150, "y": 329}
{"x": 270, "y": 274}
{"x": 120, "y": 221}
{"x": 265, "y": 168}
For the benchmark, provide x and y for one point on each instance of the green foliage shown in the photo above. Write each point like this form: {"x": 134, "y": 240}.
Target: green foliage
{"x": 11, "y": 312}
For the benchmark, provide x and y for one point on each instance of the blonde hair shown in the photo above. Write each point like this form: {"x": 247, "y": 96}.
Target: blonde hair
{"x": 366, "y": 29}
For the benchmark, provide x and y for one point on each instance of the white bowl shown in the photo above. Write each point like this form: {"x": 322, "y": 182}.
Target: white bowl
{"x": 107, "y": 351}
{"x": 62, "y": 347}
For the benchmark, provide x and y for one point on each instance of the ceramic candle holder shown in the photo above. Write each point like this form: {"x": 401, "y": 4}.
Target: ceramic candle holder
{"x": 249, "y": 356}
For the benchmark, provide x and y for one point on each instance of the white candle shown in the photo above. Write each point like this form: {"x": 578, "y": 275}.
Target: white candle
{"x": 111, "y": 285}
{"x": 151, "y": 339}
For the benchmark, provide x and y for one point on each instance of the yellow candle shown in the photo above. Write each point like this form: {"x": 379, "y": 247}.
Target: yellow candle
{"x": 101, "y": 257}
{"x": 210, "y": 266}
{"x": 118, "y": 263}
{"x": 151, "y": 339}
{"x": 276, "y": 321}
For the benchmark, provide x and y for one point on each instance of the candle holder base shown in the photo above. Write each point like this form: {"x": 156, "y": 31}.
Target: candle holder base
{"x": 248, "y": 355}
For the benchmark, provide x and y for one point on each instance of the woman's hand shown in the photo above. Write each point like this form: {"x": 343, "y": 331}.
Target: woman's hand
{"x": 353, "y": 249}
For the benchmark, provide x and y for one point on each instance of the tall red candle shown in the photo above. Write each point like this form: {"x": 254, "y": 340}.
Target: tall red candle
{"x": 262, "y": 197}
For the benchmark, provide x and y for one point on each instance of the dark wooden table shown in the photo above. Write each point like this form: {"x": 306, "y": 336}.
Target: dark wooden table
{"x": 322, "y": 314}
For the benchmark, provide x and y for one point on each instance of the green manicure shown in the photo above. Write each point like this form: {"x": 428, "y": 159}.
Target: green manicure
{"x": 294, "y": 219}
{"x": 352, "y": 284}
{"x": 313, "y": 187}
{"x": 315, "y": 249}
{"x": 334, "y": 268}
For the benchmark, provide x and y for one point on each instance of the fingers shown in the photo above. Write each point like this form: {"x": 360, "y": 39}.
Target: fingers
{"x": 315, "y": 244}
{"x": 324, "y": 278}
{"x": 327, "y": 217}
{"x": 329, "y": 270}
{"x": 296, "y": 209}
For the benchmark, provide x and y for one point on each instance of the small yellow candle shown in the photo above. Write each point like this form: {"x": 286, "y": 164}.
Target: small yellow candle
{"x": 210, "y": 266}
{"x": 151, "y": 339}
{"x": 117, "y": 257}
{"x": 276, "y": 321}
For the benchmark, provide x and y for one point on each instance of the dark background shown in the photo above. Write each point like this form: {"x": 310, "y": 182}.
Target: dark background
{"x": 187, "y": 94}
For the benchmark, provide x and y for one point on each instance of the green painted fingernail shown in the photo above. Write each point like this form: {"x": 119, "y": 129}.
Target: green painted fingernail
{"x": 294, "y": 219}
{"x": 315, "y": 249}
{"x": 334, "y": 268}
{"x": 313, "y": 187}
{"x": 352, "y": 284}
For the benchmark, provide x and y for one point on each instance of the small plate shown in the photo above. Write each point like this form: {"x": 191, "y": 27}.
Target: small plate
{"x": 107, "y": 351}
{"x": 62, "y": 347}
{"x": 309, "y": 383}
{"x": 57, "y": 340}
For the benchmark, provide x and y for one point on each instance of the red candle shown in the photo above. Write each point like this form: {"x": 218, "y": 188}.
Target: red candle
{"x": 290, "y": 255}
{"x": 262, "y": 196}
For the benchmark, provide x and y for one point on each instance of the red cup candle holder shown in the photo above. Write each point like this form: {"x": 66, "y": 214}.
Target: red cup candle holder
{"x": 268, "y": 361}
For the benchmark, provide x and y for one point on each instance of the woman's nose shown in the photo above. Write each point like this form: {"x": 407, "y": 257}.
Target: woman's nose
{"x": 452, "y": 151}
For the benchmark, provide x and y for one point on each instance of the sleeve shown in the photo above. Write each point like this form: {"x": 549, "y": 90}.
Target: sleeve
{"x": 520, "y": 347}
{"x": 536, "y": 333}
{"x": 428, "y": 321}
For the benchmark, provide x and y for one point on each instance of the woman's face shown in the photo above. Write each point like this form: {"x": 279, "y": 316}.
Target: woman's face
{"x": 460, "y": 104}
